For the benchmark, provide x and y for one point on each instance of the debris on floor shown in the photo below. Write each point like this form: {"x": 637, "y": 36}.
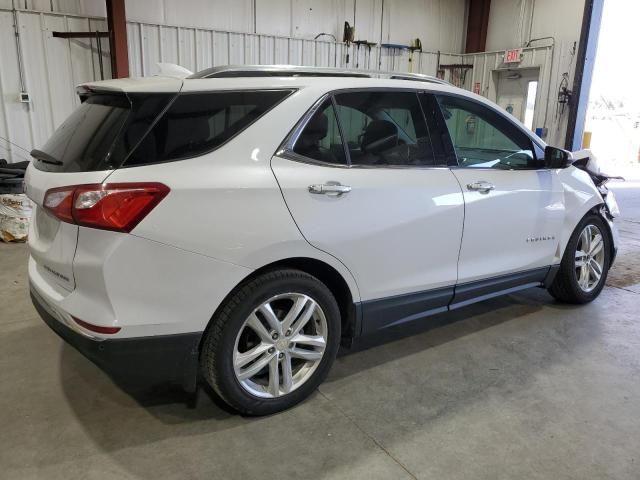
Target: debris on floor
{"x": 15, "y": 215}
{"x": 15, "y": 207}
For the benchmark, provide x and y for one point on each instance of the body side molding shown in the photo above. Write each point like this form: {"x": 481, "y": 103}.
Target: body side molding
{"x": 389, "y": 312}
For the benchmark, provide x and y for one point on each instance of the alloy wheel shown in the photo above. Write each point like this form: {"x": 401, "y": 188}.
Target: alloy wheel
{"x": 280, "y": 345}
{"x": 589, "y": 258}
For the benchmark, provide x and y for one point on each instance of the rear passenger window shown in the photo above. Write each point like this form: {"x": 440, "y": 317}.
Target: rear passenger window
{"x": 197, "y": 123}
{"x": 384, "y": 129}
{"x": 320, "y": 139}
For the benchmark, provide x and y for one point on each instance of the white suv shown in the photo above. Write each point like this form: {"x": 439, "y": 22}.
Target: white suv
{"x": 238, "y": 225}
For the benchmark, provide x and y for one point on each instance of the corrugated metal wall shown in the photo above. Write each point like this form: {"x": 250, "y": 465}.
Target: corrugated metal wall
{"x": 439, "y": 23}
{"x": 53, "y": 66}
{"x": 198, "y": 48}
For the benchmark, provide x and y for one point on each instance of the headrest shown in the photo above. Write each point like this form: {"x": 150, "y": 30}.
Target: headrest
{"x": 317, "y": 127}
{"x": 378, "y": 136}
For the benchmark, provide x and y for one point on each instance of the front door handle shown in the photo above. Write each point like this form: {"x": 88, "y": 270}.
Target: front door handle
{"x": 333, "y": 189}
{"x": 481, "y": 186}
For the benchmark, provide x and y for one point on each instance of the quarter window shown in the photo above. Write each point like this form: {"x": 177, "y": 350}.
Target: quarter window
{"x": 197, "y": 123}
{"x": 483, "y": 138}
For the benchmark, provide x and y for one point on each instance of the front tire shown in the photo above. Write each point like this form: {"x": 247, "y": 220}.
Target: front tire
{"x": 585, "y": 263}
{"x": 272, "y": 342}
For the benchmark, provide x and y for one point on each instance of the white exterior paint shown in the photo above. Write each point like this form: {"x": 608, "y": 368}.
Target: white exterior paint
{"x": 51, "y": 241}
{"x": 422, "y": 222}
{"x": 239, "y": 208}
{"x": 524, "y": 204}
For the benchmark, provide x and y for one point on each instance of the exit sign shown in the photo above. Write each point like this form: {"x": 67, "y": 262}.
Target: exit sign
{"x": 513, "y": 56}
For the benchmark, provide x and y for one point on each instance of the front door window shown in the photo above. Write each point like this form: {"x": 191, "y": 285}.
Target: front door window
{"x": 483, "y": 138}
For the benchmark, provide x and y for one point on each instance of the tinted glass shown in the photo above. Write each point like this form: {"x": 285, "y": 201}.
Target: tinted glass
{"x": 197, "y": 123}
{"x": 384, "y": 129}
{"x": 85, "y": 140}
{"x": 320, "y": 139}
{"x": 484, "y": 138}
{"x": 100, "y": 134}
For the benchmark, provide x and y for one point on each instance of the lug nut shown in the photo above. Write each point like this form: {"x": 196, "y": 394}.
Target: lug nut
{"x": 281, "y": 355}
{"x": 288, "y": 333}
{"x": 271, "y": 350}
{"x": 274, "y": 336}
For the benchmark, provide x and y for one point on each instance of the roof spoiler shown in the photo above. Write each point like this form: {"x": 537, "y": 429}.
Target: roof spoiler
{"x": 172, "y": 70}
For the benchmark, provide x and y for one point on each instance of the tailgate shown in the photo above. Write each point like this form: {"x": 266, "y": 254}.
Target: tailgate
{"x": 52, "y": 243}
{"x": 89, "y": 145}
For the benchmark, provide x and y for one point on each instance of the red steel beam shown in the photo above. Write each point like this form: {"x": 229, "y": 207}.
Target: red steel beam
{"x": 117, "y": 23}
{"x": 477, "y": 25}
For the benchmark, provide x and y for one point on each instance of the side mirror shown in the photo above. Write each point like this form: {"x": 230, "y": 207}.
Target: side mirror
{"x": 556, "y": 158}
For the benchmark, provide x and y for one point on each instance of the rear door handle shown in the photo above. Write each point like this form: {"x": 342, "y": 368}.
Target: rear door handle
{"x": 333, "y": 189}
{"x": 481, "y": 186}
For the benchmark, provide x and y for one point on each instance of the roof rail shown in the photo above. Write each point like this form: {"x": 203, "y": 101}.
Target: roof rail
{"x": 234, "y": 71}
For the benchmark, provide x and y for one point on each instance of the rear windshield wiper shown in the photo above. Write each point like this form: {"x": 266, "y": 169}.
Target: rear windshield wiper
{"x": 44, "y": 157}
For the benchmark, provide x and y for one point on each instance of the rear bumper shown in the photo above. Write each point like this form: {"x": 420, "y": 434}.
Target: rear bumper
{"x": 141, "y": 360}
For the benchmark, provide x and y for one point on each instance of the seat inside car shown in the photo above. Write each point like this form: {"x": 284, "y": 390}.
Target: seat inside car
{"x": 378, "y": 137}
{"x": 309, "y": 142}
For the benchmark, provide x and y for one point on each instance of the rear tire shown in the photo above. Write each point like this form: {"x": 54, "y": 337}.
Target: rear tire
{"x": 272, "y": 342}
{"x": 585, "y": 263}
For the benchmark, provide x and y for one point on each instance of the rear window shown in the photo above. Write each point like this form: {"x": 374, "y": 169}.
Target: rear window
{"x": 83, "y": 141}
{"x": 197, "y": 123}
{"x": 112, "y": 130}
{"x": 100, "y": 133}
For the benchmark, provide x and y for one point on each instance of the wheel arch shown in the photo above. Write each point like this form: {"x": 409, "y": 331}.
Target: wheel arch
{"x": 594, "y": 210}
{"x": 334, "y": 280}
{"x": 600, "y": 210}
{"x": 580, "y": 198}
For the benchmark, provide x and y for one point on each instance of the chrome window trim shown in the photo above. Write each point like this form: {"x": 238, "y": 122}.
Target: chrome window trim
{"x": 489, "y": 169}
{"x": 292, "y": 137}
{"x": 285, "y": 150}
{"x": 296, "y": 157}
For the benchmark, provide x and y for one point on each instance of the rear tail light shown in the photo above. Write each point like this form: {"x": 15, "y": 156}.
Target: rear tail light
{"x": 110, "y": 206}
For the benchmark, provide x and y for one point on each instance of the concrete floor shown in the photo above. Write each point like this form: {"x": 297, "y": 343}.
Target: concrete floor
{"x": 518, "y": 387}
